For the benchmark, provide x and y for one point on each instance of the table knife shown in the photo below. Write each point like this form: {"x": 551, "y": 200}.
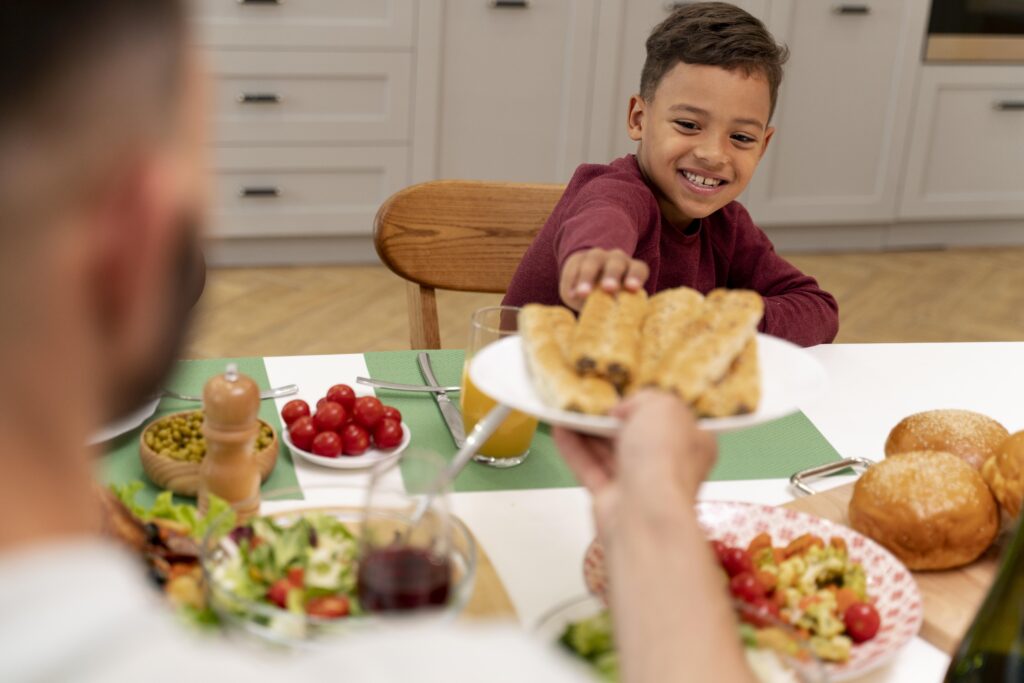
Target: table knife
{"x": 452, "y": 416}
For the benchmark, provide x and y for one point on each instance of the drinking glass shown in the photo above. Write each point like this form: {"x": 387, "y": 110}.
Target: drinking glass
{"x": 510, "y": 444}
{"x": 406, "y": 559}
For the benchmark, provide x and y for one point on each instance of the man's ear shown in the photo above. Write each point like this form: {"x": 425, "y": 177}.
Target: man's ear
{"x": 635, "y": 118}
{"x": 130, "y": 221}
{"x": 769, "y": 133}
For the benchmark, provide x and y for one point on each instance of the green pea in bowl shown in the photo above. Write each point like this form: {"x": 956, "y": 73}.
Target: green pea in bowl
{"x": 172, "y": 448}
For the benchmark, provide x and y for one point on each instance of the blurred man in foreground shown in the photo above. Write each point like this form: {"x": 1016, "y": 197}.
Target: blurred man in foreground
{"x": 102, "y": 119}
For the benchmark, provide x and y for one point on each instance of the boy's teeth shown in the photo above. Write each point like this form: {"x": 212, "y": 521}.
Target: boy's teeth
{"x": 701, "y": 180}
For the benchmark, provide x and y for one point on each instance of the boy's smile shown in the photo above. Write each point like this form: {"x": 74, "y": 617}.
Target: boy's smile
{"x": 701, "y": 137}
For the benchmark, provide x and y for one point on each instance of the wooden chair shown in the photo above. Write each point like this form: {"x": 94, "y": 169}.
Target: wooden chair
{"x": 459, "y": 235}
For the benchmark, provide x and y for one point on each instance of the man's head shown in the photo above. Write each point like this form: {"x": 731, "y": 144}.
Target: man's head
{"x": 707, "y": 93}
{"x": 102, "y": 187}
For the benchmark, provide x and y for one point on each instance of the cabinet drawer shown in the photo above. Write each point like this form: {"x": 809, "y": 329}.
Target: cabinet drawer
{"x": 311, "y": 97}
{"x": 287, "y": 192}
{"x": 967, "y": 144}
{"x": 305, "y": 23}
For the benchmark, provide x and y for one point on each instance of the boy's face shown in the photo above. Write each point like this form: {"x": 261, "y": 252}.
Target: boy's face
{"x": 701, "y": 137}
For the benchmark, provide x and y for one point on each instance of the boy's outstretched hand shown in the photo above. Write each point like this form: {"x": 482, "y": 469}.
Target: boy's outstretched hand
{"x": 611, "y": 270}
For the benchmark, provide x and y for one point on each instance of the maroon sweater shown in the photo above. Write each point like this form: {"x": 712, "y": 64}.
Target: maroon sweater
{"x": 612, "y": 207}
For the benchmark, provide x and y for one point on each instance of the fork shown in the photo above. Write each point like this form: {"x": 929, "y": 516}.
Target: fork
{"x": 276, "y": 392}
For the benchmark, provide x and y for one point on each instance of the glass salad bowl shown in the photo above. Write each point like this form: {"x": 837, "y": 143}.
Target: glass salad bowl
{"x": 255, "y": 586}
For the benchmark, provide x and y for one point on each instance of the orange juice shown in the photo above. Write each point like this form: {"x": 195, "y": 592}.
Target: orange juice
{"x": 513, "y": 436}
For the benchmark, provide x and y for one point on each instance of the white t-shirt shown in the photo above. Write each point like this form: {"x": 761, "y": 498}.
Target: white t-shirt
{"x": 82, "y": 610}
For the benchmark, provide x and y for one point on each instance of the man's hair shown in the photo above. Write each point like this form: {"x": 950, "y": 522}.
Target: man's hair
{"x": 713, "y": 34}
{"x": 80, "y": 79}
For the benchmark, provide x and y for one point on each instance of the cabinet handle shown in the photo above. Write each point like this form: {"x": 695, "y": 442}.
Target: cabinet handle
{"x": 259, "y": 2}
{"x": 510, "y": 4}
{"x": 1010, "y": 105}
{"x": 269, "y": 191}
{"x": 851, "y": 9}
{"x": 259, "y": 98}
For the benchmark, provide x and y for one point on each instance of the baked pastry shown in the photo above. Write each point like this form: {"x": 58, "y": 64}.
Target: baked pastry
{"x": 930, "y": 509}
{"x": 607, "y": 338}
{"x": 1004, "y": 474}
{"x": 728, "y": 321}
{"x": 670, "y": 315}
{"x": 968, "y": 435}
{"x": 739, "y": 392}
{"x": 547, "y": 333}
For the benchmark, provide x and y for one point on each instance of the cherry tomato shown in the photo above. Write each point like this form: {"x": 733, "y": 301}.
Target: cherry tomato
{"x": 296, "y": 577}
{"x": 736, "y": 561}
{"x": 278, "y": 592}
{"x": 329, "y": 417}
{"x": 719, "y": 548}
{"x": 388, "y": 433}
{"x": 302, "y": 433}
{"x": 327, "y": 444}
{"x": 368, "y": 411}
{"x": 760, "y": 612}
{"x": 293, "y": 410}
{"x": 746, "y": 587}
{"x": 321, "y": 402}
{"x": 328, "y": 607}
{"x": 392, "y": 413}
{"x": 354, "y": 440}
{"x": 862, "y": 621}
{"x": 343, "y": 394}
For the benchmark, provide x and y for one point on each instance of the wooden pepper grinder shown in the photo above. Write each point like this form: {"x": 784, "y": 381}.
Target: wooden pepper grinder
{"x": 229, "y": 470}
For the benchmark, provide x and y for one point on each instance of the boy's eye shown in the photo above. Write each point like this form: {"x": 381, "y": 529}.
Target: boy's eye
{"x": 744, "y": 139}
{"x": 687, "y": 125}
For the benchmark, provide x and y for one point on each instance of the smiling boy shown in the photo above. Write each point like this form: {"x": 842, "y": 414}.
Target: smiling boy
{"x": 667, "y": 216}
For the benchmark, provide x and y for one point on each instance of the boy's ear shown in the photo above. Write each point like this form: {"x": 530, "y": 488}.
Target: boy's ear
{"x": 635, "y": 118}
{"x": 769, "y": 132}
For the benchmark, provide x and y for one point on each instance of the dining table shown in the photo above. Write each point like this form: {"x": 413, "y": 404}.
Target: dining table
{"x": 534, "y": 521}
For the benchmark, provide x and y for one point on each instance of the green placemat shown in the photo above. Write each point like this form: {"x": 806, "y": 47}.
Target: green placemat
{"x": 769, "y": 451}
{"x": 121, "y": 463}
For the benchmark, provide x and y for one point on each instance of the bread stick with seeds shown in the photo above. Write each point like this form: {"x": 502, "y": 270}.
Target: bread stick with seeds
{"x": 728, "y": 322}
{"x": 670, "y": 314}
{"x": 607, "y": 338}
{"x": 546, "y": 332}
{"x": 739, "y": 392}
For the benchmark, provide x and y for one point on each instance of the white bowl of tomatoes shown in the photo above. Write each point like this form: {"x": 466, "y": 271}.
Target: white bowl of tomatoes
{"x": 345, "y": 431}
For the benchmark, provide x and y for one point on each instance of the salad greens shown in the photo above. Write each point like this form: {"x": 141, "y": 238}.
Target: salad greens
{"x": 592, "y": 640}
{"x": 219, "y": 516}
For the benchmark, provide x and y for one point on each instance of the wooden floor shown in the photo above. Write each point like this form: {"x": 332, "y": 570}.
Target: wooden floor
{"x": 955, "y": 295}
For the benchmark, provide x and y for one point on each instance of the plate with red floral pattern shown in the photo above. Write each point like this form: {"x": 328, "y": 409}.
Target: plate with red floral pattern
{"x": 890, "y": 585}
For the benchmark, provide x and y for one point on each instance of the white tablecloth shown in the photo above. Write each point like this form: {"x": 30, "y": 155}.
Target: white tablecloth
{"x": 536, "y": 538}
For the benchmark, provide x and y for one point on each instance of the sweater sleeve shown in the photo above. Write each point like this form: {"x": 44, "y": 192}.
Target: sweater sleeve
{"x": 796, "y": 308}
{"x": 608, "y": 212}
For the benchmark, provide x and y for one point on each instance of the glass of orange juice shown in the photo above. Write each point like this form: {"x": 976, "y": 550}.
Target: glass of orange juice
{"x": 510, "y": 444}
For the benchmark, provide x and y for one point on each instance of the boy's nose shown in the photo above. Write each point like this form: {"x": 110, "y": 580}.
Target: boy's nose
{"x": 711, "y": 155}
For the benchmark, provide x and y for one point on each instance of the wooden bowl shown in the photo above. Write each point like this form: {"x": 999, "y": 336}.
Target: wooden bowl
{"x": 182, "y": 477}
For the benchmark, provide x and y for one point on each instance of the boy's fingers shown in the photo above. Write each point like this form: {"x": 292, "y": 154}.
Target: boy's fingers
{"x": 567, "y": 283}
{"x": 614, "y": 269}
{"x": 636, "y": 275}
{"x": 590, "y": 267}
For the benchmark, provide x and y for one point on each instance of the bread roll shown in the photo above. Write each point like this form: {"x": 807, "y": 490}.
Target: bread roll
{"x": 670, "y": 316}
{"x": 1004, "y": 474}
{"x": 739, "y": 392}
{"x": 970, "y": 436}
{"x": 606, "y": 342}
{"x": 930, "y": 509}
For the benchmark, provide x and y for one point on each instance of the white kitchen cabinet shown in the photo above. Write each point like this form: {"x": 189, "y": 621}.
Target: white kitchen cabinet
{"x": 843, "y": 111}
{"x": 967, "y": 144}
{"x": 297, "y": 192}
{"x": 515, "y": 85}
{"x": 323, "y": 97}
{"x": 310, "y": 24}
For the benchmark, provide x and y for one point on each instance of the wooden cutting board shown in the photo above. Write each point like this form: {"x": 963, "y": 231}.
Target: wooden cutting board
{"x": 489, "y": 599}
{"x": 951, "y": 597}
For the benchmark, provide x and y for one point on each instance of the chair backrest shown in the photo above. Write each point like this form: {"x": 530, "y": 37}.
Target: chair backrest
{"x": 457, "y": 234}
